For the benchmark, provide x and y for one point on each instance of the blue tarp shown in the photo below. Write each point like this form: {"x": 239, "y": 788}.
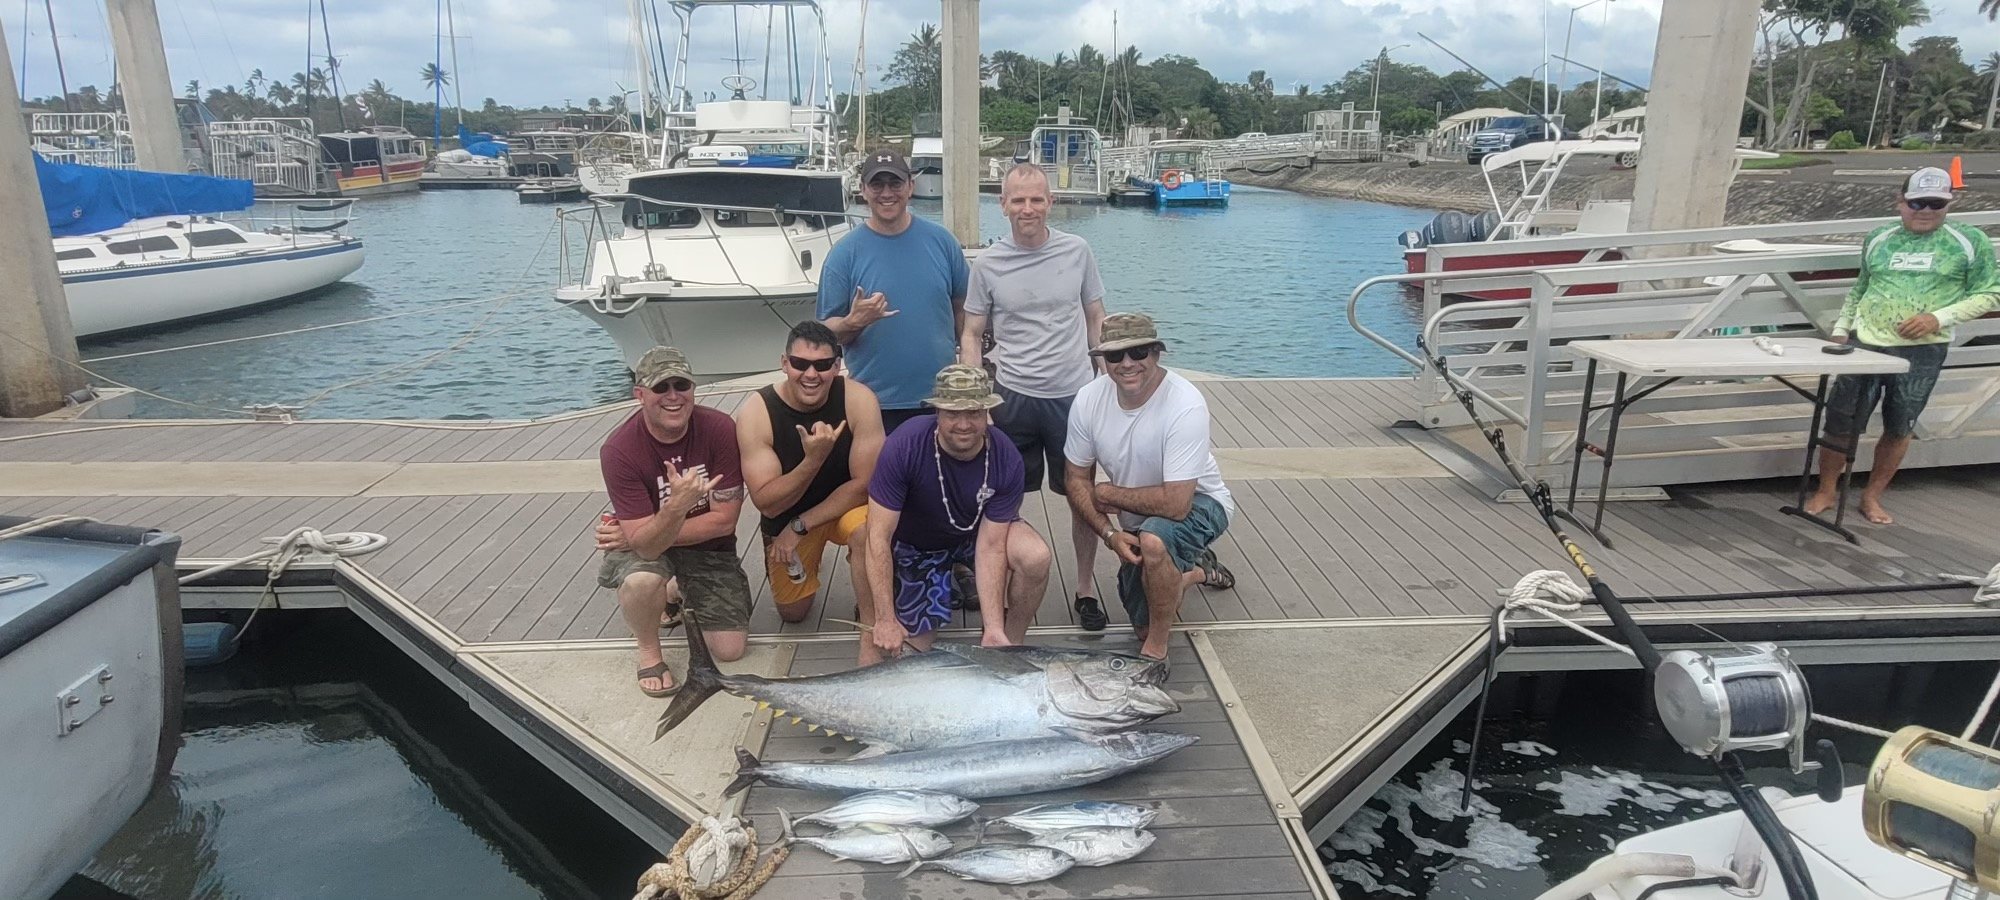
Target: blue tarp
{"x": 480, "y": 143}
{"x": 84, "y": 199}
{"x": 766, "y": 161}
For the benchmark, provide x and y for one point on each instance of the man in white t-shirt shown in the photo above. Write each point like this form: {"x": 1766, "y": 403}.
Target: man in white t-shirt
{"x": 1039, "y": 291}
{"x": 1148, "y": 428}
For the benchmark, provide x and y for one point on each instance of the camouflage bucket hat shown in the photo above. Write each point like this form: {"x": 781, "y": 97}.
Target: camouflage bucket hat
{"x": 963, "y": 387}
{"x": 660, "y": 364}
{"x": 1123, "y": 330}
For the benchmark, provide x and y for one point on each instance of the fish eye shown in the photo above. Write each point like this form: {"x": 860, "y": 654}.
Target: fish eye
{"x": 1117, "y": 664}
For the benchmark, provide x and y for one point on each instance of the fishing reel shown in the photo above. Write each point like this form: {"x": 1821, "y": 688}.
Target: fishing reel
{"x": 1754, "y": 698}
{"x": 1935, "y": 799}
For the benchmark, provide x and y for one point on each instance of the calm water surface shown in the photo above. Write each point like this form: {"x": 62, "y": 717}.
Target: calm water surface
{"x": 322, "y": 763}
{"x": 1255, "y": 289}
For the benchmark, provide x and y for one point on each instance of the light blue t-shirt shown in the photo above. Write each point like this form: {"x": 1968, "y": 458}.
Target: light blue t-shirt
{"x": 919, "y": 272}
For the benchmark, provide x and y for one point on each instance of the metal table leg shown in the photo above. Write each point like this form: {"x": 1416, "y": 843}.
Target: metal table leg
{"x": 1848, "y": 452}
{"x": 1582, "y": 426}
{"x": 1610, "y": 453}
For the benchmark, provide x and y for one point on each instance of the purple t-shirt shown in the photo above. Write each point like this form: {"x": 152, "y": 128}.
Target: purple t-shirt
{"x": 906, "y": 480}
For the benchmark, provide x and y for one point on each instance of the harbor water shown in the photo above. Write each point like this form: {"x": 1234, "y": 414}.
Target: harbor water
{"x": 1258, "y": 289}
{"x": 1570, "y": 764}
{"x": 323, "y": 763}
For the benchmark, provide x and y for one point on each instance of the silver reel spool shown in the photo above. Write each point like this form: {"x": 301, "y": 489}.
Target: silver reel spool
{"x": 1749, "y": 699}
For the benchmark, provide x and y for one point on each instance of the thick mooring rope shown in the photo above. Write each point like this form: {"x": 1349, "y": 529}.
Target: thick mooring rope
{"x": 700, "y": 847}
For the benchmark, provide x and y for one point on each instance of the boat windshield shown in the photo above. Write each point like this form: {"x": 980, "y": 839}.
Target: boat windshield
{"x": 732, "y": 188}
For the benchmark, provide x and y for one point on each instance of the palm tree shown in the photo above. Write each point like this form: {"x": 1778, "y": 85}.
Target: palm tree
{"x": 1937, "y": 99}
{"x": 193, "y": 90}
{"x": 1990, "y": 67}
{"x": 254, "y": 81}
{"x": 434, "y": 77}
{"x": 1991, "y": 8}
{"x": 377, "y": 99}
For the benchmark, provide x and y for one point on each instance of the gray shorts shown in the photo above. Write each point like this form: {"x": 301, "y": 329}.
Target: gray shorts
{"x": 714, "y": 589}
{"x": 1039, "y": 427}
{"x": 1903, "y": 397}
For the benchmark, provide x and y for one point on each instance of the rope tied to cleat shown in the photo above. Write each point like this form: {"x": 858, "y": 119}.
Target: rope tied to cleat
{"x": 715, "y": 859}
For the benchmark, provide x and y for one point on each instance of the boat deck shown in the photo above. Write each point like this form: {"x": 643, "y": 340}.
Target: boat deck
{"x": 1365, "y": 570}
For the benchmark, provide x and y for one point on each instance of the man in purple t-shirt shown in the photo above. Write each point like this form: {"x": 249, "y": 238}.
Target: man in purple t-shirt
{"x": 676, "y": 486}
{"x": 947, "y": 489}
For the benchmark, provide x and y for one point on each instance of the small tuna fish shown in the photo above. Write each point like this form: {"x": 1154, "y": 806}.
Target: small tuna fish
{"x": 920, "y": 808}
{"x": 1008, "y": 864}
{"x": 1052, "y": 817}
{"x": 1099, "y": 845}
{"x": 872, "y": 843}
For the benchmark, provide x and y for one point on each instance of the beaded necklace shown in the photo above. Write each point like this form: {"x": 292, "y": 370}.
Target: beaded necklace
{"x": 985, "y": 490}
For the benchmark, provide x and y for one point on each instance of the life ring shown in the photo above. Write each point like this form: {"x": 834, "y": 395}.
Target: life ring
{"x": 1170, "y": 179}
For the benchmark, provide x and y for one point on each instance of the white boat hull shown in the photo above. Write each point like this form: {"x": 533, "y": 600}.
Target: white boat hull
{"x": 723, "y": 338}
{"x": 928, "y": 186}
{"x": 604, "y": 177}
{"x": 141, "y": 296}
{"x": 76, "y": 771}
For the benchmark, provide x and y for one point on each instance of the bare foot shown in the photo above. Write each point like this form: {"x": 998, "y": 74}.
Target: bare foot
{"x": 1819, "y": 503}
{"x": 1873, "y": 510}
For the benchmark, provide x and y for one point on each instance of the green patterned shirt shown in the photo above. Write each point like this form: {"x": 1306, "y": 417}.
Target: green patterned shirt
{"x": 1948, "y": 273}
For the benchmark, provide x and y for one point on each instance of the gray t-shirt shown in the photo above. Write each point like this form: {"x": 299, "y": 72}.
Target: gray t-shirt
{"x": 1034, "y": 301}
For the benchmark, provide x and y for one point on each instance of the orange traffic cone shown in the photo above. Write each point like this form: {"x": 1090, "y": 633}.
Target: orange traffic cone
{"x": 1958, "y": 173}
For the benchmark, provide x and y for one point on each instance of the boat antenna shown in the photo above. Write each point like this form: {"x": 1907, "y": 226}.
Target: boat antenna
{"x": 307, "y": 75}
{"x": 1496, "y": 84}
{"x": 332, "y": 67}
{"x": 62, "y": 78}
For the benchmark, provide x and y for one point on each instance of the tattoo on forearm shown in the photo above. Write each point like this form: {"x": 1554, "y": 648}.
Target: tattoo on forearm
{"x": 724, "y": 495}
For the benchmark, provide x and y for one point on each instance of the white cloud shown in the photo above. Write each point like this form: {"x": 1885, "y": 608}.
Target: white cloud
{"x": 530, "y": 52}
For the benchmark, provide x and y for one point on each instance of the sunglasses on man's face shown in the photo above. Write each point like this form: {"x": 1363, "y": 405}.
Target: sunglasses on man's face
{"x": 817, "y": 365}
{"x": 1138, "y": 354}
{"x": 1928, "y": 204}
{"x": 673, "y": 385}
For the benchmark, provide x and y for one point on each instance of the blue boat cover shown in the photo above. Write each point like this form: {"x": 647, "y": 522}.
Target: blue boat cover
{"x": 85, "y": 199}
{"x": 766, "y": 161}
{"x": 480, "y": 143}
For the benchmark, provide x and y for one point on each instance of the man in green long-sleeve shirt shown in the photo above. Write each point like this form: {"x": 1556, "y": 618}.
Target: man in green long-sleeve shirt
{"x": 1918, "y": 279}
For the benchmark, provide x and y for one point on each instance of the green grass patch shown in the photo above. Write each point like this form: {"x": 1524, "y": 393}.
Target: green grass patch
{"x": 1786, "y": 161}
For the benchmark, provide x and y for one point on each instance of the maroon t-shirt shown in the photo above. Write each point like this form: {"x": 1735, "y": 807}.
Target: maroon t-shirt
{"x": 635, "y": 466}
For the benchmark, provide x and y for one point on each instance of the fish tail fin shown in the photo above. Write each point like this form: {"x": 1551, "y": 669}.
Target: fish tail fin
{"x": 913, "y": 866}
{"x": 746, "y": 773}
{"x": 979, "y": 826}
{"x": 703, "y": 680}
{"x": 785, "y": 836}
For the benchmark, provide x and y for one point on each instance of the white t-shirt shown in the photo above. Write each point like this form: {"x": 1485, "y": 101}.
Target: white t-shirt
{"x": 1164, "y": 440}
{"x": 1034, "y": 301}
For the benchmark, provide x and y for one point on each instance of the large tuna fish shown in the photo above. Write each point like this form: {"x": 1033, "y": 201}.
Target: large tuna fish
{"x": 949, "y": 697}
{"x": 993, "y": 769}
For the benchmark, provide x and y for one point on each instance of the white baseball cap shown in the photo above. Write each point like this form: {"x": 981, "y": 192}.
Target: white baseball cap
{"x": 1928, "y": 183}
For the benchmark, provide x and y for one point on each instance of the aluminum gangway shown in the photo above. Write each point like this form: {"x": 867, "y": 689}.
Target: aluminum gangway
{"x": 281, "y": 157}
{"x": 102, "y": 139}
{"x": 1698, "y": 284}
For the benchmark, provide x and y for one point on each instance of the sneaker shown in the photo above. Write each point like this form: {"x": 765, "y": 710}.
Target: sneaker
{"x": 964, "y": 591}
{"x": 1090, "y": 614}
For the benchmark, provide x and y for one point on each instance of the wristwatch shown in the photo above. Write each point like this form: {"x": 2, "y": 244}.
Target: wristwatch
{"x": 1110, "y": 531}
{"x": 799, "y": 526}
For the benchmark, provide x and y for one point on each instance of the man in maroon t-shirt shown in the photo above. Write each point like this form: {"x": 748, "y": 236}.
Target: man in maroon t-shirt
{"x": 676, "y": 486}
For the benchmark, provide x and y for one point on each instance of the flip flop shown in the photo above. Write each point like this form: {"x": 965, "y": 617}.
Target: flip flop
{"x": 1090, "y": 614}
{"x": 658, "y": 670}
{"x": 671, "y": 618}
{"x": 1215, "y": 574}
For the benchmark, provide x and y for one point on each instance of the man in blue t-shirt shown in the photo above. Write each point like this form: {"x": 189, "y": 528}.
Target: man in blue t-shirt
{"x": 947, "y": 491}
{"x": 893, "y": 292}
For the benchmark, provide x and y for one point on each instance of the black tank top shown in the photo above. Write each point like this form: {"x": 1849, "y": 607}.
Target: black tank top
{"x": 785, "y": 422}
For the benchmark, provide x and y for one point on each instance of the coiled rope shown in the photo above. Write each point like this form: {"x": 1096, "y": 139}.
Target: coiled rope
{"x": 289, "y": 549}
{"x": 716, "y": 859}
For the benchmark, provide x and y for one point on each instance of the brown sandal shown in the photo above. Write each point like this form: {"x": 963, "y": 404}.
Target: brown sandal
{"x": 658, "y": 670}
{"x": 671, "y": 618}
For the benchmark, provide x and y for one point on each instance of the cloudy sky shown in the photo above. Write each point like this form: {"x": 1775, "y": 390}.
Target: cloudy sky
{"x": 532, "y": 52}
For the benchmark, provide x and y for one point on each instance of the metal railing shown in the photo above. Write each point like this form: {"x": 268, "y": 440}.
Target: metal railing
{"x": 101, "y": 139}
{"x": 593, "y": 229}
{"x": 1509, "y": 353}
{"x": 277, "y": 155}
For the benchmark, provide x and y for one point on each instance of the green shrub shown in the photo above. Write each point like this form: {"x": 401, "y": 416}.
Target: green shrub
{"x": 1842, "y": 140}
{"x": 1983, "y": 140}
{"x": 1915, "y": 143}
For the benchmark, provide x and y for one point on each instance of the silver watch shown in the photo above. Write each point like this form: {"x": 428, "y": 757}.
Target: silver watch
{"x": 799, "y": 526}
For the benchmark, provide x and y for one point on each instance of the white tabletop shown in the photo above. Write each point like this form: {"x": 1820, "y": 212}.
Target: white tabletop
{"x": 1739, "y": 357}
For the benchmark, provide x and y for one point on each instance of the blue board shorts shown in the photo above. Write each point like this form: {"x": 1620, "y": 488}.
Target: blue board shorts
{"x": 923, "y": 584}
{"x": 1903, "y": 396}
{"x": 1185, "y": 540}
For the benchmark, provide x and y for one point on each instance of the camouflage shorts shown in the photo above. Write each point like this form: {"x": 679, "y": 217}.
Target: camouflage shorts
{"x": 714, "y": 589}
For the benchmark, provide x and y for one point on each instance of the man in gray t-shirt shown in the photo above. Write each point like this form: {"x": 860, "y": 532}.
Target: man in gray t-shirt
{"x": 1039, "y": 292}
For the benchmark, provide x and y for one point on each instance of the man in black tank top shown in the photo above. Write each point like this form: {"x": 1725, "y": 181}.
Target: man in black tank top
{"x": 808, "y": 444}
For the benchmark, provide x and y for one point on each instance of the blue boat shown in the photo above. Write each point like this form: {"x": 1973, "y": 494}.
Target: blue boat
{"x": 1179, "y": 173}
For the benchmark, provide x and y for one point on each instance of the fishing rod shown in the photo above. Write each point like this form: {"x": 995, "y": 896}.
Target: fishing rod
{"x": 1546, "y": 121}
{"x": 1756, "y": 810}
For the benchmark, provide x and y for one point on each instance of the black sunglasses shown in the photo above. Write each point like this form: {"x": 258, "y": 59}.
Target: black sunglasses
{"x": 1138, "y": 354}
{"x": 1928, "y": 203}
{"x": 817, "y": 365}
{"x": 679, "y": 385}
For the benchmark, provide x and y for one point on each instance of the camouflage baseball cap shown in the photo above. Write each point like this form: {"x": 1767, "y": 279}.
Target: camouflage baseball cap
{"x": 1122, "y": 330}
{"x": 660, "y": 364}
{"x": 963, "y": 387}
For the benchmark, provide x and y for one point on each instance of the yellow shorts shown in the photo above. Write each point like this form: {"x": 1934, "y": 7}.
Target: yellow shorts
{"x": 787, "y": 592}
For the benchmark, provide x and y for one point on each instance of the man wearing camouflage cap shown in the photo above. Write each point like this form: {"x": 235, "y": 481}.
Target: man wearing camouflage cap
{"x": 947, "y": 490}
{"x": 676, "y": 488}
{"x": 1918, "y": 279}
{"x": 1164, "y": 502}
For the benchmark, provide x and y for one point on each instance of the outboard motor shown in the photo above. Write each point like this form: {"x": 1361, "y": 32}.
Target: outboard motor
{"x": 1484, "y": 225}
{"x": 1412, "y": 240}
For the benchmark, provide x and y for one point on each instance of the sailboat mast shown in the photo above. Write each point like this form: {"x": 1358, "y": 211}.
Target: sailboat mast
{"x": 62, "y": 78}
{"x": 861, "y": 66}
{"x": 437, "y": 77}
{"x": 458, "y": 83}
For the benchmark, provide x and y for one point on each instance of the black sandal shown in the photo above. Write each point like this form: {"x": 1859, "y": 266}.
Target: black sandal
{"x": 1214, "y": 573}
{"x": 658, "y": 670}
{"x": 671, "y": 617}
{"x": 1090, "y": 614}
